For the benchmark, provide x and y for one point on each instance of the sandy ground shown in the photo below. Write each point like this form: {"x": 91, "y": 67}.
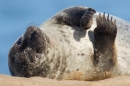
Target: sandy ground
{"x": 39, "y": 81}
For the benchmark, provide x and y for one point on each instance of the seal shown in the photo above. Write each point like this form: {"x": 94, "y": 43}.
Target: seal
{"x": 75, "y": 44}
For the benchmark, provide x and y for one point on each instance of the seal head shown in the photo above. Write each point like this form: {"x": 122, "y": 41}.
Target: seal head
{"x": 27, "y": 54}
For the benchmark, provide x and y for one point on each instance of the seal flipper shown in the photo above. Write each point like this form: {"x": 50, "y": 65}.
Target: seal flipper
{"x": 87, "y": 19}
{"x": 75, "y": 16}
{"x": 104, "y": 52}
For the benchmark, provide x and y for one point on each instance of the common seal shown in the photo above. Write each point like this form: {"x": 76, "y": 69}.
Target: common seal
{"x": 75, "y": 44}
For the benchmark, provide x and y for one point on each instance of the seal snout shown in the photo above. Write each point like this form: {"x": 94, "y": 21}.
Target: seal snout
{"x": 34, "y": 38}
{"x": 31, "y": 31}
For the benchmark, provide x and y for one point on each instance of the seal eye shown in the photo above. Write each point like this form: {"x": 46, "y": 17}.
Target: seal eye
{"x": 19, "y": 41}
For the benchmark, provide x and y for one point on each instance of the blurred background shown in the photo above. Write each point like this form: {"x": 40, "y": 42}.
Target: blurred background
{"x": 16, "y": 15}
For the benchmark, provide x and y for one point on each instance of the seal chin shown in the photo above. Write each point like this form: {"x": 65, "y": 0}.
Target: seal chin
{"x": 27, "y": 54}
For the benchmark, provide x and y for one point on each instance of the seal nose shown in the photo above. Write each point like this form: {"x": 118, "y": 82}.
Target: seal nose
{"x": 30, "y": 30}
{"x": 35, "y": 39}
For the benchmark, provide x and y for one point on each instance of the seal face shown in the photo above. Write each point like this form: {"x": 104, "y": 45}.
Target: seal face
{"x": 31, "y": 55}
{"x": 26, "y": 54}
{"x": 67, "y": 47}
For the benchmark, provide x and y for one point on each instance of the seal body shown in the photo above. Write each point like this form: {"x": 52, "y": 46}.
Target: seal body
{"x": 75, "y": 44}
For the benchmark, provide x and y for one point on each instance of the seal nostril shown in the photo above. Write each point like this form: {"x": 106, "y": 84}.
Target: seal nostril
{"x": 19, "y": 41}
{"x": 34, "y": 34}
